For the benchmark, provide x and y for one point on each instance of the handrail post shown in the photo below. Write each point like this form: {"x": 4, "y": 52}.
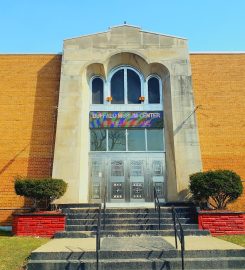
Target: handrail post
{"x": 180, "y": 235}
{"x": 183, "y": 240}
{"x": 98, "y": 238}
{"x": 155, "y": 195}
{"x": 104, "y": 206}
{"x": 182, "y": 250}
{"x": 97, "y": 250}
{"x": 159, "y": 217}
{"x": 175, "y": 230}
{"x": 157, "y": 207}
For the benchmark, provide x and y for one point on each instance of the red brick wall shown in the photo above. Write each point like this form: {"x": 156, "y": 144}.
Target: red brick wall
{"x": 29, "y": 86}
{"x": 38, "y": 225}
{"x": 222, "y": 223}
{"x": 219, "y": 87}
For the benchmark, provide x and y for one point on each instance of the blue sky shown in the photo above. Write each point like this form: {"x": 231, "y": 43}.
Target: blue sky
{"x": 29, "y": 26}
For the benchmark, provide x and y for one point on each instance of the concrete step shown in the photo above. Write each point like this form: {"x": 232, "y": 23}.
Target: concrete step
{"x": 147, "y": 254}
{"x": 118, "y": 227}
{"x": 77, "y": 215}
{"x": 129, "y": 210}
{"x": 143, "y": 264}
{"x": 96, "y": 205}
{"x": 78, "y": 205}
{"x": 167, "y": 232}
{"x": 124, "y": 233}
{"x": 128, "y": 221}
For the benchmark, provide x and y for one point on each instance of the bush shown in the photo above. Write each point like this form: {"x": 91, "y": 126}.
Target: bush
{"x": 40, "y": 191}
{"x": 215, "y": 187}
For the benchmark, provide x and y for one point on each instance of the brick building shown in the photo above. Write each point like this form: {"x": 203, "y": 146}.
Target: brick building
{"x": 74, "y": 116}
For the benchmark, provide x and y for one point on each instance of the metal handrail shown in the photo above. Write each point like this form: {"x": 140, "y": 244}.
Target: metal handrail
{"x": 180, "y": 234}
{"x": 104, "y": 207}
{"x": 157, "y": 207}
{"x": 98, "y": 238}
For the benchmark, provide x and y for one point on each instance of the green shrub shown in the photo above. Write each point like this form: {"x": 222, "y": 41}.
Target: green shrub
{"x": 216, "y": 187}
{"x": 40, "y": 191}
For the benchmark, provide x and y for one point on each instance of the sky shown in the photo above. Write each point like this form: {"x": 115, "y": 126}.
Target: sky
{"x": 31, "y": 26}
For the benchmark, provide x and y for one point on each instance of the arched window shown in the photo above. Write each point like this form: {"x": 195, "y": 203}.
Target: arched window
{"x": 97, "y": 91}
{"x": 117, "y": 87}
{"x": 126, "y": 86}
{"x": 153, "y": 90}
{"x": 134, "y": 87}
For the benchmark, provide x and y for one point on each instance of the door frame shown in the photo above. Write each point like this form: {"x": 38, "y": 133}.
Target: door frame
{"x": 104, "y": 179}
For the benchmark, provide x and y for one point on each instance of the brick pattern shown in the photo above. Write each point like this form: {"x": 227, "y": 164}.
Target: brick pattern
{"x": 29, "y": 86}
{"x": 6, "y": 217}
{"x": 222, "y": 223}
{"x": 29, "y": 90}
{"x": 38, "y": 225}
{"x": 219, "y": 89}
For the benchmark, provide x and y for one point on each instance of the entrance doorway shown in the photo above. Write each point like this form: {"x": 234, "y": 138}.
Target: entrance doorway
{"x": 126, "y": 177}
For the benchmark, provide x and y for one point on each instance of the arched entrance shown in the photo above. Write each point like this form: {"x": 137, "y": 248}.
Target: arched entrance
{"x": 127, "y": 141}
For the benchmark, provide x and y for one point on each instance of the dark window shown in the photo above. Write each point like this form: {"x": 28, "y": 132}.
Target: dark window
{"x": 134, "y": 87}
{"x": 117, "y": 140}
{"x": 136, "y": 140}
{"x": 155, "y": 139}
{"x": 97, "y": 91}
{"x": 117, "y": 87}
{"x": 98, "y": 140}
{"x": 153, "y": 90}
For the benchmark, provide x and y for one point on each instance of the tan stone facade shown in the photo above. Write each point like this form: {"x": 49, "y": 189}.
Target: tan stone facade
{"x": 29, "y": 88}
{"x": 149, "y": 53}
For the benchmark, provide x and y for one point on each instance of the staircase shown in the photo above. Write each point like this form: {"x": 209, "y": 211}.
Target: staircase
{"x": 131, "y": 239}
{"x": 128, "y": 222}
{"x": 144, "y": 260}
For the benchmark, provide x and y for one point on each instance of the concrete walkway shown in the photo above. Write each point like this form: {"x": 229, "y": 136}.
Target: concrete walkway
{"x": 68, "y": 245}
{"x": 204, "y": 243}
{"x": 141, "y": 243}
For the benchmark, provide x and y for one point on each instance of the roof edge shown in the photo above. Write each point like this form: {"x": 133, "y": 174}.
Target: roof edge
{"x": 21, "y": 53}
{"x": 127, "y": 25}
{"x": 165, "y": 35}
{"x": 218, "y": 52}
{"x": 88, "y": 35}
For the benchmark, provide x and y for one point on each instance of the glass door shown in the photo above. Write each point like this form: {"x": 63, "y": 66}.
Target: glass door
{"x": 136, "y": 168}
{"x": 127, "y": 177}
{"x": 98, "y": 175}
{"x": 116, "y": 181}
{"x": 157, "y": 167}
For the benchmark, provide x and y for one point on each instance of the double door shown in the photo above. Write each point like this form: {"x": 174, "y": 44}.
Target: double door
{"x": 126, "y": 177}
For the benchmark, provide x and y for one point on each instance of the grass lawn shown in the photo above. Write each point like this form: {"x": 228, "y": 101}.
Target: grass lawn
{"x": 14, "y": 251}
{"x": 236, "y": 239}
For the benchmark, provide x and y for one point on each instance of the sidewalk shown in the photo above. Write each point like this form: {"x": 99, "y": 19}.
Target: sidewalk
{"x": 136, "y": 244}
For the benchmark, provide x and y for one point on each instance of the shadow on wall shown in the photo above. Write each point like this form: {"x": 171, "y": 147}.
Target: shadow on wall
{"x": 6, "y": 213}
{"x": 42, "y": 141}
{"x": 43, "y": 127}
{"x": 184, "y": 195}
{"x": 12, "y": 160}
